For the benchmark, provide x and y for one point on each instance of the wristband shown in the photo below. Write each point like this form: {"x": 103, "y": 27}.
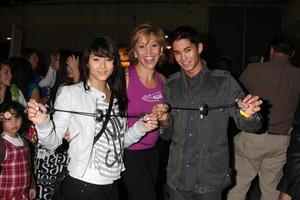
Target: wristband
{"x": 244, "y": 114}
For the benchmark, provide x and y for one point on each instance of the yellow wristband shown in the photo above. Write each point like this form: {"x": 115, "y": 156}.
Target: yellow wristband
{"x": 246, "y": 115}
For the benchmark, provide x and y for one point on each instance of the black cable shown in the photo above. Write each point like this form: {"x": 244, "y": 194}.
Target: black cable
{"x": 98, "y": 114}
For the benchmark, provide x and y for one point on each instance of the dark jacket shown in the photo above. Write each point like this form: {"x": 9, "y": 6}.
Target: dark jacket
{"x": 290, "y": 182}
{"x": 216, "y": 88}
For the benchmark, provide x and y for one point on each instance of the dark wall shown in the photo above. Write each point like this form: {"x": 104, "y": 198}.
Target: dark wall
{"x": 49, "y": 27}
{"x": 239, "y": 31}
{"x": 244, "y": 34}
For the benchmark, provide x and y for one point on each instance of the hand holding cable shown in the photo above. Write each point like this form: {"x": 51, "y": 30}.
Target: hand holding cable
{"x": 249, "y": 105}
{"x": 36, "y": 112}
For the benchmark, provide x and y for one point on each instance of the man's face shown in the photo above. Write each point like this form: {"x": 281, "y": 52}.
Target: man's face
{"x": 187, "y": 55}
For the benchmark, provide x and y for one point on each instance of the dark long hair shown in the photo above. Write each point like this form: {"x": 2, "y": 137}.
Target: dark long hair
{"x": 61, "y": 74}
{"x": 22, "y": 75}
{"x": 104, "y": 47}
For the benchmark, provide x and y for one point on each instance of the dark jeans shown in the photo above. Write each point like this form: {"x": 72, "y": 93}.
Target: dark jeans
{"x": 140, "y": 175}
{"x": 191, "y": 195}
{"x": 79, "y": 190}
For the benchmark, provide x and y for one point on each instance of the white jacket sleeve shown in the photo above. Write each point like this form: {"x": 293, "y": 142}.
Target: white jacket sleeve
{"x": 134, "y": 133}
{"x": 49, "y": 79}
{"x": 47, "y": 136}
{"x": 50, "y": 133}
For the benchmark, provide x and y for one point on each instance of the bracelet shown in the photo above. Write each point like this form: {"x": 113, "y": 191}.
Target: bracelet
{"x": 244, "y": 114}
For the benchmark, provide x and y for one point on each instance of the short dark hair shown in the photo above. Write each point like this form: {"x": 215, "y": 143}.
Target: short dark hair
{"x": 185, "y": 32}
{"x": 284, "y": 44}
{"x": 28, "y": 52}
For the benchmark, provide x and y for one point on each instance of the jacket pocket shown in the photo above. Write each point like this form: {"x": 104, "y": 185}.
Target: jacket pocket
{"x": 216, "y": 166}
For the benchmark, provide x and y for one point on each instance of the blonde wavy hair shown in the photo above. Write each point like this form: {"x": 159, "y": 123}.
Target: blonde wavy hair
{"x": 147, "y": 30}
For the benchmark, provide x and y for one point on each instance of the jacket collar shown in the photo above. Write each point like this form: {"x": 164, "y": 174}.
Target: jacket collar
{"x": 281, "y": 59}
{"x": 200, "y": 76}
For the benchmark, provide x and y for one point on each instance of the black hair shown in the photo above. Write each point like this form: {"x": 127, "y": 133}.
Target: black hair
{"x": 22, "y": 75}
{"x": 16, "y": 106}
{"x": 26, "y": 53}
{"x": 5, "y": 62}
{"x": 284, "y": 44}
{"x": 104, "y": 47}
{"x": 185, "y": 32}
{"x": 61, "y": 74}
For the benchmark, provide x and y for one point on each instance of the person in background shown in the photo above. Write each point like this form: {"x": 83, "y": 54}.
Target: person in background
{"x": 67, "y": 73}
{"x": 277, "y": 83}
{"x": 5, "y": 81}
{"x": 16, "y": 177}
{"x": 49, "y": 79}
{"x": 224, "y": 63}
{"x": 9, "y": 91}
{"x": 32, "y": 56}
{"x": 198, "y": 166}
{"x": 289, "y": 185}
{"x": 144, "y": 90}
{"x": 22, "y": 77}
{"x": 93, "y": 167}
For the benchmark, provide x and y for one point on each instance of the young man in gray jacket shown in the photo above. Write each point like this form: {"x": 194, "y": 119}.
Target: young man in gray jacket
{"x": 198, "y": 166}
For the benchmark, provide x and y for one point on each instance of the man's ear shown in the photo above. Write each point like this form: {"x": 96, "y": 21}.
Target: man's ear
{"x": 200, "y": 47}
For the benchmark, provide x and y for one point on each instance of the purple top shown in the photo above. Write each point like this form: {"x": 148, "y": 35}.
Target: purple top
{"x": 141, "y": 100}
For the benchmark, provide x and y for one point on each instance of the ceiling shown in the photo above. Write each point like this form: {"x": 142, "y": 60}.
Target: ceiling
{"x": 231, "y": 2}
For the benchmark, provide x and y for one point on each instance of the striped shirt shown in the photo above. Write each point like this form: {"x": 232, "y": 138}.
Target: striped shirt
{"x": 106, "y": 161}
